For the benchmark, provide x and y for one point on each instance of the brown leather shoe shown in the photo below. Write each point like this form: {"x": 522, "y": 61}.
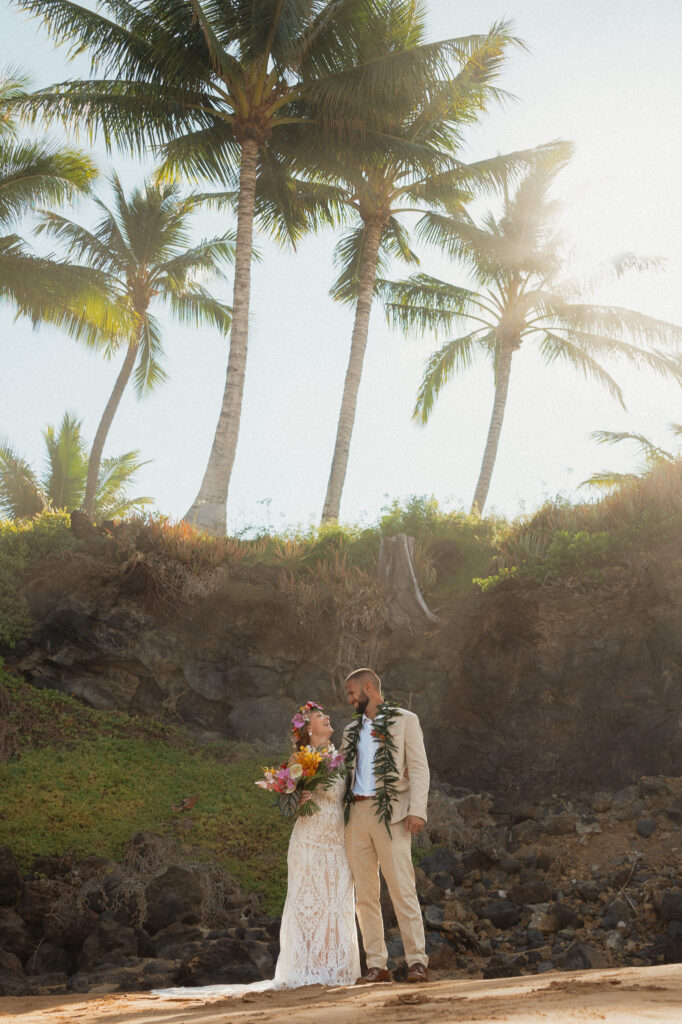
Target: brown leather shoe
{"x": 374, "y": 975}
{"x": 417, "y": 972}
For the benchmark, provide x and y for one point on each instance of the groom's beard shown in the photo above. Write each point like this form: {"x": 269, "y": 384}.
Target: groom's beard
{"x": 361, "y": 705}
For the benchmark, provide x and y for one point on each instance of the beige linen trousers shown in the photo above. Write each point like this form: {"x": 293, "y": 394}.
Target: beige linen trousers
{"x": 370, "y": 848}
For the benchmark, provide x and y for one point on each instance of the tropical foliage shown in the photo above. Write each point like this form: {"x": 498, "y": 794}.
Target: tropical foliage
{"x": 518, "y": 261}
{"x": 298, "y": 114}
{"x": 211, "y": 83}
{"x": 140, "y": 250}
{"x": 650, "y": 453}
{"x": 24, "y": 493}
{"x": 406, "y": 161}
{"x": 35, "y": 172}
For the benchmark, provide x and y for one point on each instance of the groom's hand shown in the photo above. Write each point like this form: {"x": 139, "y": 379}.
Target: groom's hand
{"x": 413, "y": 824}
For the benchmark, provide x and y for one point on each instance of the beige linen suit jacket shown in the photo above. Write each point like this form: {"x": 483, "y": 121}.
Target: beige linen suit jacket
{"x": 412, "y": 785}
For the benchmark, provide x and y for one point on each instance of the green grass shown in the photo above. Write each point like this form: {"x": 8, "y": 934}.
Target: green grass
{"x": 84, "y": 781}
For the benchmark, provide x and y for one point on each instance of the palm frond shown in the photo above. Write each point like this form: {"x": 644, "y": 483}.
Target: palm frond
{"x": 208, "y": 153}
{"x": 196, "y": 308}
{"x": 422, "y": 303}
{"x": 115, "y": 477}
{"x": 14, "y": 84}
{"x": 553, "y": 348}
{"x": 205, "y": 257}
{"x": 36, "y": 172}
{"x": 93, "y": 247}
{"x": 615, "y": 320}
{"x": 67, "y": 462}
{"x": 21, "y": 496}
{"x": 608, "y": 480}
{"x": 650, "y": 451}
{"x": 454, "y": 357}
{"x": 148, "y": 369}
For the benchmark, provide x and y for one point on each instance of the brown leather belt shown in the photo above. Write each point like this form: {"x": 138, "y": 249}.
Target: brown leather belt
{"x": 357, "y": 797}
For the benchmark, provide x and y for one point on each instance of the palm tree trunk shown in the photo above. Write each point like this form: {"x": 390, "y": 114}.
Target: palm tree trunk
{"x": 490, "y": 453}
{"x": 367, "y": 277}
{"x": 209, "y": 509}
{"x": 112, "y": 405}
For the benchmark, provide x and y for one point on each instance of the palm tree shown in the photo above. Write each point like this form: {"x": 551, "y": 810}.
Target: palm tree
{"x": 23, "y": 493}
{"x": 405, "y": 163}
{"x": 650, "y": 453}
{"x": 140, "y": 249}
{"x": 517, "y": 260}
{"x": 213, "y": 83}
{"x": 33, "y": 172}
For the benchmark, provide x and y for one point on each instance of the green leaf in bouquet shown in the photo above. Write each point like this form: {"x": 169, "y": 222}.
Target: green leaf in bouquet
{"x": 288, "y": 803}
{"x": 308, "y": 809}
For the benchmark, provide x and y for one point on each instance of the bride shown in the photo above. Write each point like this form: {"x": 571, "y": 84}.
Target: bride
{"x": 318, "y": 937}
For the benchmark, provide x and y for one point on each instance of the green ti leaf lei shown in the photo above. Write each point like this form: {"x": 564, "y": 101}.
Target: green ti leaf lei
{"x": 385, "y": 769}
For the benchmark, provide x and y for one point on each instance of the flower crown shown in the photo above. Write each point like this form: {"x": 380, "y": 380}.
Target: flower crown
{"x": 302, "y": 718}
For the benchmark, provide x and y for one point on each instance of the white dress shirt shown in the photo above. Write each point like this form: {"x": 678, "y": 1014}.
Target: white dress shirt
{"x": 364, "y": 784}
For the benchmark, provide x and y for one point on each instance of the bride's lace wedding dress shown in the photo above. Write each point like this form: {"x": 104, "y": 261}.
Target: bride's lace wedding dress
{"x": 318, "y": 937}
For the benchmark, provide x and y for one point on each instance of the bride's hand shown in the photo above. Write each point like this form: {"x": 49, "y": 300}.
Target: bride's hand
{"x": 306, "y": 795}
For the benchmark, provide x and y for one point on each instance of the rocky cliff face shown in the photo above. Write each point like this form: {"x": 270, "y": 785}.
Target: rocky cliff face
{"x": 526, "y": 688}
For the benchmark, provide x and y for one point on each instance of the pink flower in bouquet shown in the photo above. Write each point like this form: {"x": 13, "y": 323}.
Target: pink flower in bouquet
{"x": 286, "y": 783}
{"x": 336, "y": 760}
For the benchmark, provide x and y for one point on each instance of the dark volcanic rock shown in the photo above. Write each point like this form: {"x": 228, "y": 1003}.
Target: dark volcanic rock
{"x": 674, "y": 809}
{"x": 646, "y": 827}
{"x": 14, "y": 934}
{"x": 535, "y": 891}
{"x": 168, "y": 943}
{"x": 48, "y": 959}
{"x": 433, "y": 916}
{"x": 566, "y": 916}
{"x": 173, "y": 896}
{"x": 71, "y": 926}
{"x": 439, "y": 861}
{"x": 580, "y": 957}
{"x": 501, "y": 966}
{"x": 617, "y": 911}
{"x": 502, "y": 913}
{"x": 223, "y": 962}
{"x": 10, "y": 878}
{"x": 671, "y": 906}
{"x": 440, "y": 953}
{"x": 37, "y": 899}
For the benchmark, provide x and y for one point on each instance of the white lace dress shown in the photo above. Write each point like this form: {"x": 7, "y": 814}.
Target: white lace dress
{"x": 318, "y": 937}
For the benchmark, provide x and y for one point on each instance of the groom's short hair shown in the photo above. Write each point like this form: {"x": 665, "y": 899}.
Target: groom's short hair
{"x": 362, "y": 673}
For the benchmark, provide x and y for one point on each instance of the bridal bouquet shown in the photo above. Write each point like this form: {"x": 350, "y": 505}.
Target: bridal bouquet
{"x": 305, "y": 771}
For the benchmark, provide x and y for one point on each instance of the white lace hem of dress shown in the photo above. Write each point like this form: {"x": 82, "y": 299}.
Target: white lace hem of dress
{"x": 217, "y": 991}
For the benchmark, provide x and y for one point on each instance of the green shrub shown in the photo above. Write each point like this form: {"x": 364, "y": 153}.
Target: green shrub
{"x": 20, "y": 542}
{"x": 15, "y": 621}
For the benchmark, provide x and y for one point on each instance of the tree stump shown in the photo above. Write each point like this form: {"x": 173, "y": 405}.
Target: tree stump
{"x": 406, "y": 607}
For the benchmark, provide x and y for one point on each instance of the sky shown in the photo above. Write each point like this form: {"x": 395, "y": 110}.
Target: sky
{"x": 604, "y": 74}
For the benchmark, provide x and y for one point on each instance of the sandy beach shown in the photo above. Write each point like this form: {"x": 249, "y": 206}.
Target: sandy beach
{"x": 621, "y": 996}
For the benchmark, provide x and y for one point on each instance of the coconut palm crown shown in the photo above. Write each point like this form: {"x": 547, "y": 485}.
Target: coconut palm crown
{"x": 24, "y": 493}
{"x": 518, "y": 260}
{"x": 141, "y": 249}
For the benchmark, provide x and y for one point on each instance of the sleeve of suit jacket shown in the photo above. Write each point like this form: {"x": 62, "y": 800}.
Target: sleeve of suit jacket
{"x": 417, "y": 766}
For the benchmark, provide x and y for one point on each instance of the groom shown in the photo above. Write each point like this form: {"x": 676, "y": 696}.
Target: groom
{"x": 388, "y": 787}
